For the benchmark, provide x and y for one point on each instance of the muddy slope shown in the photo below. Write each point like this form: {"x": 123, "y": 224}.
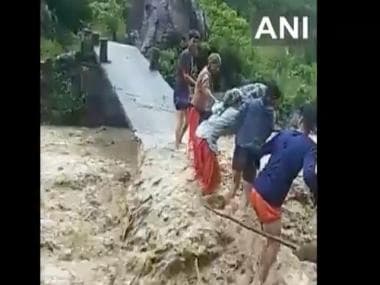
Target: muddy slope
{"x": 84, "y": 176}
{"x": 102, "y": 223}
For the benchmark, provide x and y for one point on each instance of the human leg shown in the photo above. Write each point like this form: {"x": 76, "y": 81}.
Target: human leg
{"x": 271, "y": 249}
{"x": 238, "y": 164}
{"x": 181, "y": 103}
{"x": 270, "y": 218}
{"x": 249, "y": 175}
{"x": 178, "y": 129}
{"x": 184, "y": 125}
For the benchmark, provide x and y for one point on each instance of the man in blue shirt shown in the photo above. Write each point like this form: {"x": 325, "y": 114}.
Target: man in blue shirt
{"x": 291, "y": 151}
{"x": 254, "y": 125}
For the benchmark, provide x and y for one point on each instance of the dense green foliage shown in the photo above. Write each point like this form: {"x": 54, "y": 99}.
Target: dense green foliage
{"x": 250, "y": 8}
{"x": 70, "y": 13}
{"x": 57, "y": 29}
{"x": 293, "y": 68}
{"x": 64, "y": 102}
{"x": 61, "y": 23}
{"x": 109, "y": 17}
{"x": 50, "y": 48}
{"x": 230, "y": 34}
{"x": 61, "y": 20}
{"x": 167, "y": 64}
{"x": 59, "y": 104}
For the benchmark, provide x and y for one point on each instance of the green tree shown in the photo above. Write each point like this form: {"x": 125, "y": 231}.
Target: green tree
{"x": 110, "y": 13}
{"x": 70, "y": 13}
{"x": 230, "y": 35}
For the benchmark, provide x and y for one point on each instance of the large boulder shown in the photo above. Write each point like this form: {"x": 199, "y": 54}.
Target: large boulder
{"x": 163, "y": 22}
{"x": 288, "y": 270}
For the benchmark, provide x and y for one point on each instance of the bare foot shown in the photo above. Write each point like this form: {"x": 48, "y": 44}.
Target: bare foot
{"x": 228, "y": 197}
{"x": 231, "y": 209}
{"x": 180, "y": 146}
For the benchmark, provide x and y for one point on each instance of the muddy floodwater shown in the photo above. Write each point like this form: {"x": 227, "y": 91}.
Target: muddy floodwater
{"x": 114, "y": 213}
{"x": 122, "y": 207}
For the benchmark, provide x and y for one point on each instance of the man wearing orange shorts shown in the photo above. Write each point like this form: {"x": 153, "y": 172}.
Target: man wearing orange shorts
{"x": 291, "y": 151}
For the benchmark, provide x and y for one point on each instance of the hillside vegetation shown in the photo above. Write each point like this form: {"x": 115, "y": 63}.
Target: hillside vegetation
{"x": 294, "y": 68}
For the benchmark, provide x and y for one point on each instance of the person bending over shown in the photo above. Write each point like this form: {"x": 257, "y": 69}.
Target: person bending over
{"x": 256, "y": 123}
{"x": 291, "y": 151}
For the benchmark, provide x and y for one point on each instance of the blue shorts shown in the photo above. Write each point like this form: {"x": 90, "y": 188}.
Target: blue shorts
{"x": 246, "y": 161}
{"x": 181, "y": 98}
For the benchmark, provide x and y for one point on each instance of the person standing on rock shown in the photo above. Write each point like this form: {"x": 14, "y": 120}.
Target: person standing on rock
{"x": 184, "y": 81}
{"x": 256, "y": 123}
{"x": 202, "y": 96}
{"x": 291, "y": 151}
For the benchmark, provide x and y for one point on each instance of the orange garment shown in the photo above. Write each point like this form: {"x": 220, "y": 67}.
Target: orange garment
{"x": 206, "y": 166}
{"x": 265, "y": 212}
{"x": 193, "y": 121}
{"x": 199, "y": 102}
{"x": 205, "y": 162}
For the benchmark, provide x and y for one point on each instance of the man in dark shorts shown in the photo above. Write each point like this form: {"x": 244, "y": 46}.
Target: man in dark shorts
{"x": 256, "y": 123}
{"x": 183, "y": 84}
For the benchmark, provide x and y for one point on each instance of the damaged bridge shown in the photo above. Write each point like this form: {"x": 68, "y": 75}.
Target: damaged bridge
{"x": 145, "y": 96}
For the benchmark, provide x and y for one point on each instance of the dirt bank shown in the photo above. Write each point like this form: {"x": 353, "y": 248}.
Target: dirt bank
{"x": 106, "y": 221}
{"x": 84, "y": 176}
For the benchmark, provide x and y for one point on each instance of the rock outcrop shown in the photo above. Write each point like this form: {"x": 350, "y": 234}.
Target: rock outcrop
{"x": 163, "y": 22}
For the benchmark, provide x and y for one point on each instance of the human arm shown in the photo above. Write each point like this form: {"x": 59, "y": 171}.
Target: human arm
{"x": 309, "y": 174}
{"x": 190, "y": 80}
{"x": 206, "y": 86}
{"x": 268, "y": 146}
{"x": 185, "y": 67}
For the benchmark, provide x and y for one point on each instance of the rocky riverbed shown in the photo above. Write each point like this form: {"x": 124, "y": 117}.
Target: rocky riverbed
{"x": 112, "y": 213}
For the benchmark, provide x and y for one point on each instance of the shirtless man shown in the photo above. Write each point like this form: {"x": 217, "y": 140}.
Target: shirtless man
{"x": 202, "y": 95}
